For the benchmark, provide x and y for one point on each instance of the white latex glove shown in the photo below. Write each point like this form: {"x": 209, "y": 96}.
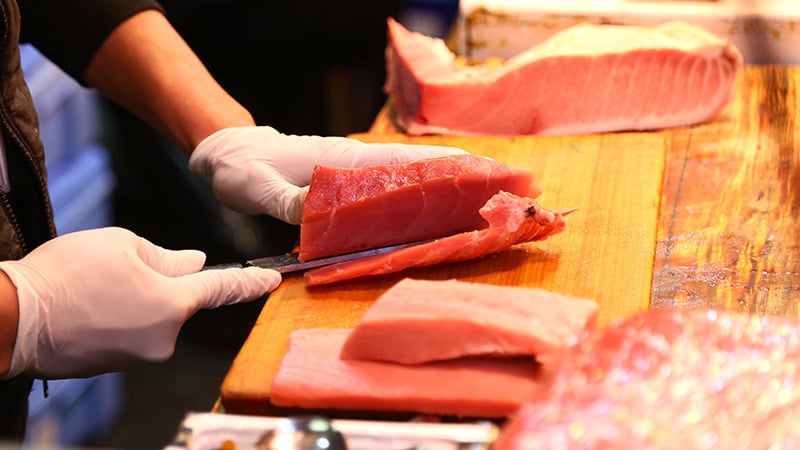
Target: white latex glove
{"x": 257, "y": 170}
{"x": 104, "y": 300}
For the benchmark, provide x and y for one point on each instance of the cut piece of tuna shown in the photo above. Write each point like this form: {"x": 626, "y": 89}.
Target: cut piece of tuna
{"x": 418, "y": 321}
{"x": 584, "y": 79}
{"x": 351, "y": 209}
{"x": 671, "y": 380}
{"x": 511, "y": 220}
{"x": 312, "y": 376}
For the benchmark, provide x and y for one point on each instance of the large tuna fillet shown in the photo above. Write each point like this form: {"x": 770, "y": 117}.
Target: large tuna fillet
{"x": 418, "y": 321}
{"x": 351, "y": 209}
{"x": 671, "y": 380}
{"x": 511, "y": 220}
{"x": 588, "y": 78}
{"x": 312, "y": 375}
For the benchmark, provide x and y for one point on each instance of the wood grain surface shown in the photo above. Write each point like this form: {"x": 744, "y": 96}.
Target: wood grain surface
{"x": 729, "y": 226}
{"x": 606, "y": 254}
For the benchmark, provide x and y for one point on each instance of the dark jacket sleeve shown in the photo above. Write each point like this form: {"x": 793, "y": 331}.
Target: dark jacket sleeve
{"x": 69, "y": 32}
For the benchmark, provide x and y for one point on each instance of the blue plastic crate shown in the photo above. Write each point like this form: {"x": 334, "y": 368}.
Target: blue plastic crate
{"x": 76, "y": 411}
{"x": 81, "y": 191}
{"x": 430, "y": 17}
{"x": 68, "y": 112}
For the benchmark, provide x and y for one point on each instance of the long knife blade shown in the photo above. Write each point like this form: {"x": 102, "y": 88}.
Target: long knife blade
{"x": 289, "y": 262}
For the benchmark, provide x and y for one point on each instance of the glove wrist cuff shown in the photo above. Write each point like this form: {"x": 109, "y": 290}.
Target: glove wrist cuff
{"x": 199, "y": 159}
{"x": 24, "y": 354}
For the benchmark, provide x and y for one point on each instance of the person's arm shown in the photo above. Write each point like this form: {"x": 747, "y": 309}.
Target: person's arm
{"x": 9, "y": 318}
{"x": 146, "y": 67}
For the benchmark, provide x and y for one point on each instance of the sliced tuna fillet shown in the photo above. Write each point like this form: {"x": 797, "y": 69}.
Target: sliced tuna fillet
{"x": 312, "y": 376}
{"x": 585, "y": 79}
{"x": 418, "y": 321}
{"x": 351, "y": 209}
{"x": 511, "y": 220}
{"x": 671, "y": 380}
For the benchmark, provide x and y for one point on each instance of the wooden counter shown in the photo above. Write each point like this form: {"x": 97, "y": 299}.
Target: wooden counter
{"x": 699, "y": 216}
{"x": 729, "y": 222}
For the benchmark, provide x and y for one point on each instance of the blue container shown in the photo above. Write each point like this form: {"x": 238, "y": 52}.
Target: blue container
{"x": 68, "y": 113}
{"x": 430, "y": 17}
{"x": 76, "y": 411}
{"x": 81, "y": 191}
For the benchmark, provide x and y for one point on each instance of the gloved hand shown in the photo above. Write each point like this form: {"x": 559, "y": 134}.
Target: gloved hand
{"x": 257, "y": 170}
{"x": 104, "y": 300}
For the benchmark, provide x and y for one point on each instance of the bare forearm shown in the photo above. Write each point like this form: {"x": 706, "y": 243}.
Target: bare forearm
{"x": 146, "y": 67}
{"x": 9, "y": 320}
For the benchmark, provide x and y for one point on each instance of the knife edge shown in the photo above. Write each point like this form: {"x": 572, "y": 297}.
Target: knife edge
{"x": 290, "y": 262}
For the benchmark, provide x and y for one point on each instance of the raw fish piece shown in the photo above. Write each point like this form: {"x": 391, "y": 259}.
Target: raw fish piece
{"x": 667, "y": 379}
{"x": 351, "y": 209}
{"x": 511, "y": 219}
{"x": 418, "y": 321}
{"x": 312, "y": 376}
{"x": 584, "y": 79}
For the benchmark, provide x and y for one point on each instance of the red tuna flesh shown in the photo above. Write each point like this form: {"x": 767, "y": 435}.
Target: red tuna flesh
{"x": 585, "y": 79}
{"x": 418, "y": 321}
{"x": 671, "y": 380}
{"x": 511, "y": 220}
{"x": 312, "y": 376}
{"x": 351, "y": 209}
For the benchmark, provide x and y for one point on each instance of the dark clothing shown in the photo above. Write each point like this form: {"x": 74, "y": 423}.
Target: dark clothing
{"x": 69, "y": 33}
{"x": 28, "y": 199}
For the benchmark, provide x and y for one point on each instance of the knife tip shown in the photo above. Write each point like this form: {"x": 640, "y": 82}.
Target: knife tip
{"x": 566, "y": 211}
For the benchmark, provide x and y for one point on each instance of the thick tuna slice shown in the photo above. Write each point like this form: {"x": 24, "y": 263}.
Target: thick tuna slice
{"x": 351, "y": 209}
{"x": 585, "y": 79}
{"x": 312, "y": 376}
{"x": 511, "y": 220}
{"x": 418, "y": 321}
{"x": 671, "y": 380}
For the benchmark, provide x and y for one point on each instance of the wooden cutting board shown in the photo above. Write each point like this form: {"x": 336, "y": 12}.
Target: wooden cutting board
{"x": 606, "y": 254}
{"x": 729, "y": 227}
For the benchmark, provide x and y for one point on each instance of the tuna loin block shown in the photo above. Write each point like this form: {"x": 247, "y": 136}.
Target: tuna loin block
{"x": 585, "y": 79}
{"x": 511, "y": 220}
{"x": 417, "y": 321}
{"x": 351, "y": 209}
